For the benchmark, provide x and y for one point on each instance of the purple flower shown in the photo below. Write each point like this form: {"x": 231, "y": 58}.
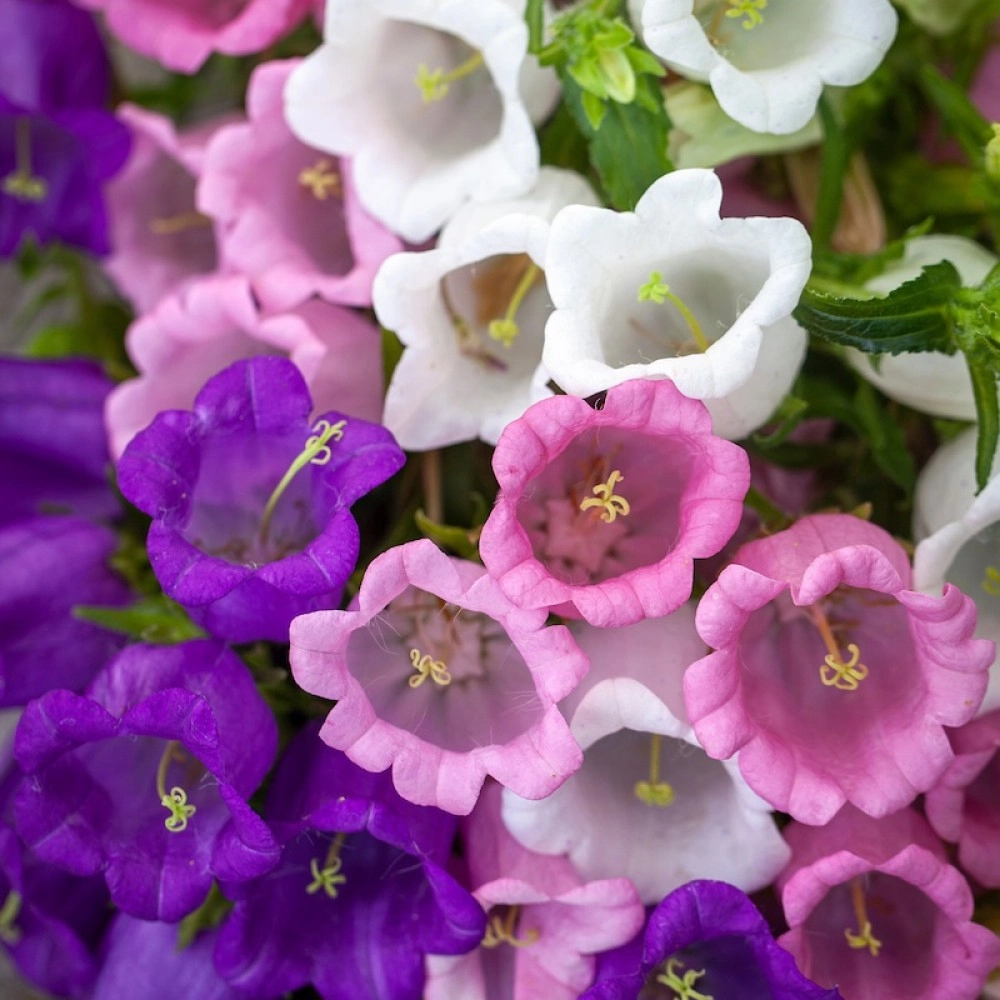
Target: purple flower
{"x": 48, "y": 565}
{"x": 250, "y": 499}
{"x": 53, "y": 445}
{"x": 709, "y": 938}
{"x": 360, "y": 895}
{"x": 146, "y": 778}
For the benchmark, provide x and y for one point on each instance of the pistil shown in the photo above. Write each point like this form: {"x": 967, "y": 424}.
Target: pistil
{"x": 328, "y": 877}
{"x": 175, "y": 801}
{"x": 605, "y": 498}
{"x": 682, "y": 987}
{"x": 654, "y": 792}
{"x": 323, "y": 180}
{"x": 434, "y": 84}
{"x": 864, "y": 938}
{"x": 658, "y": 291}
{"x": 23, "y": 183}
{"x": 836, "y": 672}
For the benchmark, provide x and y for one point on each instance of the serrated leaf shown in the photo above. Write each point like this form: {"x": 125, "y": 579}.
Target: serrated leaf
{"x": 983, "y": 372}
{"x": 916, "y": 316}
{"x": 155, "y": 619}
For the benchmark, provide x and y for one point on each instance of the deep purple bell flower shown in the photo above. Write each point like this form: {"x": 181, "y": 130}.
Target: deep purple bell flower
{"x": 360, "y": 895}
{"x": 705, "y": 940}
{"x": 145, "y": 779}
{"x": 250, "y": 498}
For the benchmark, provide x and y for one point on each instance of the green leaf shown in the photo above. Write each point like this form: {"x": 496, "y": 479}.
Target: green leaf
{"x": 788, "y": 416}
{"x": 392, "y": 351}
{"x": 534, "y": 14}
{"x": 210, "y": 914}
{"x": 859, "y": 268}
{"x": 587, "y": 74}
{"x": 835, "y": 157}
{"x": 594, "y": 108}
{"x": 961, "y": 117}
{"x": 983, "y": 371}
{"x": 153, "y": 619}
{"x": 645, "y": 62}
{"x": 916, "y": 316}
{"x": 459, "y": 540}
{"x": 562, "y": 143}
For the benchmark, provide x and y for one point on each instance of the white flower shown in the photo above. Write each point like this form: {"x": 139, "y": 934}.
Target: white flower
{"x": 959, "y": 538}
{"x": 767, "y": 60}
{"x": 434, "y": 99}
{"x": 928, "y": 381}
{"x": 628, "y": 716}
{"x": 730, "y": 283}
{"x": 456, "y": 381}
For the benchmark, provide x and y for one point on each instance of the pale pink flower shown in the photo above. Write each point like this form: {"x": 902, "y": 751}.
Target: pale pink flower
{"x": 420, "y": 622}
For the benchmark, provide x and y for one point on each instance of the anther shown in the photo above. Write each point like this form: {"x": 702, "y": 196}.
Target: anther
{"x": 605, "y": 497}
{"x": 175, "y": 801}
{"x": 434, "y": 84}
{"x": 835, "y": 671}
{"x": 991, "y": 581}
{"x": 426, "y": 667}
{"x": 23, "y": 183}
{"x": 10, "y": 933}
{"x": 322, "y": 179}
{"x": 173, "y": 224}
{"x": 658, "y": 291}
{"x": 749, "y": 10}
{"x": 864, "y": 938}
{"x": 502, "y": 929}
{"x": 505, "y": 329}
{"x": 683, "y": 988}
{"x": 328, "y": 877}
{"x": 654, "y": 792}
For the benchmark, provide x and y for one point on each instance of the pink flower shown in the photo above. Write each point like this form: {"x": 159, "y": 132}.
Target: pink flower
{"x": 181, "y": 34}
{"x": 545, "y": 924}
{"x": 964, "y": 806}
{"x": 602, "y": 512}
{"x": 875, "y": 909}
{"x": 831, "y": 678}
{"x": 420, "y": 621}
{"x": 213, "y": 322}
{"x": 290, "y": 215}
{"x": 159, "y": 240}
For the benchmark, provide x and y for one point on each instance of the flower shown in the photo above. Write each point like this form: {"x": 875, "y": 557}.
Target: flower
{"x": 707, "y": 937}
{"x": 767, "y": 64}
{"x": 831, "y": 677}
{"x": 182, "y": 35}
{"x": 250, "y": 497}
{"x": 145, "y": 778}
{"x": 545, "y": 924}
{"x": 874, "y": 907}
{"x": 360, "y": 894}
{"x": 676, "y": 292}
{"x": 452, "y": 121}
{"x": 586, "y": 524}
{"x": 647, "y": 804}
{"x": 928, "y": 381}
{"x": 213, "y": 322}
{"x": 159, "y": 241}
{"x": 420, "y": 621}
{"x": 471, "y": 313}
{"x": 290, "y": 217}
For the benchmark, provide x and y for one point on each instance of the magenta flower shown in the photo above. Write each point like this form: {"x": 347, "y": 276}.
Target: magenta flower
{"x": 420, "y": 622}
{"x": 182, "y": 35}
{"x": 194, "y": 334}
{"x": 875, "y": 909}
{"x": 832, "y": 679}
{"x": 964, "y": 806}
{"x": 602, "y": 512}
{"x": 290, "y": 215}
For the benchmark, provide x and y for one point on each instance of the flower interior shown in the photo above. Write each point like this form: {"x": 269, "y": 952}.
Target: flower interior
{"x": 976, "y": 567}
{"x": 719, "y": 969}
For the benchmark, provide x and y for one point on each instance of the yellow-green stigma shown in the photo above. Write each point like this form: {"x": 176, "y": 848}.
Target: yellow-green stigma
{"x": 605, "y": 498}
{"x": 502, "y": 929}
{"x": 323, "y": 180}
{"x": 10, "y": 933}
{"x": 682, "y": 987}
{"x": 175, "y": 801}
{"x": 505, "y": 329}
{"x": 991, "y": 581}
{"x": 426, "y": 667}
{"x": 749, "y": 10}
{"x": 328, "y": 877}
{"x": 835, "y": 671}
{"x": 23, "y": 184}
{"x": 864, "y": 938}
{"x": 434, "y": 84}
{"x": 316, "y": 451}
{"x": 654, "y": 792}
{"x": 658, "y": 291}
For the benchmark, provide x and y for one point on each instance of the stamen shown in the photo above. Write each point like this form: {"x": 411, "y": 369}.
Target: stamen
{"x": 658, "y": 291}
{"x": 505, "y": 329}
{"x": 991, "y": 581}
{"x": 173, "y": 224}
{"x": 10, "y": 933}
{"x": 323, "y": 179}
{"x": 23, "y": 184}
{"x": 434, "y": 84}
{"x": 175, "y": 801}
{"x": 437, "y": 670}
{"x": 606, "y": 498}
{"x": 316, "y": 452}
{"x": 864, "y": 938}
{"x": 328, "y": 877}
{"x": 654, "y": 792}
{"x": 684, "y": 988}
{"x": 750, "y": 10}
{"x": 501, "y": 929}
{"x": 835, "y": 672}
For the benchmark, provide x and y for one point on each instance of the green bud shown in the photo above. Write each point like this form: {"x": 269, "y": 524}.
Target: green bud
{"x": 992, "y": 156}
{"x": 618, "y": 75}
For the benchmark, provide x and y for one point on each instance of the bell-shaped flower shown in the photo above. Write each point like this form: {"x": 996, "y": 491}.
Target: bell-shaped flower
{"x": 159, "y": 240}
{"x": 831, "y": 677}
{"x": 434, "y": 101}
{"x": 587, "y": 523}
{"x": 145, "y": 779}
{"x": 706, "y": 939}
{"x": 928, "y": 381}
{"x": 673, "y": 291}
{"x": 182, "y": 35}
{"x": 290, "y": 216}
{"x": 439, "y": 676}
{"x": 648, "y": 803}
{"x": 251, "y": 496}
{"x": 875, "y": 909}
{"x": 958, "y": 533}
{"x": 213, "y": 322}
{"x": 361, "y": 893}
{"x": 768, "y": 62}
{"x": 545, "y": 923}
{"x": 471, "y": 313}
